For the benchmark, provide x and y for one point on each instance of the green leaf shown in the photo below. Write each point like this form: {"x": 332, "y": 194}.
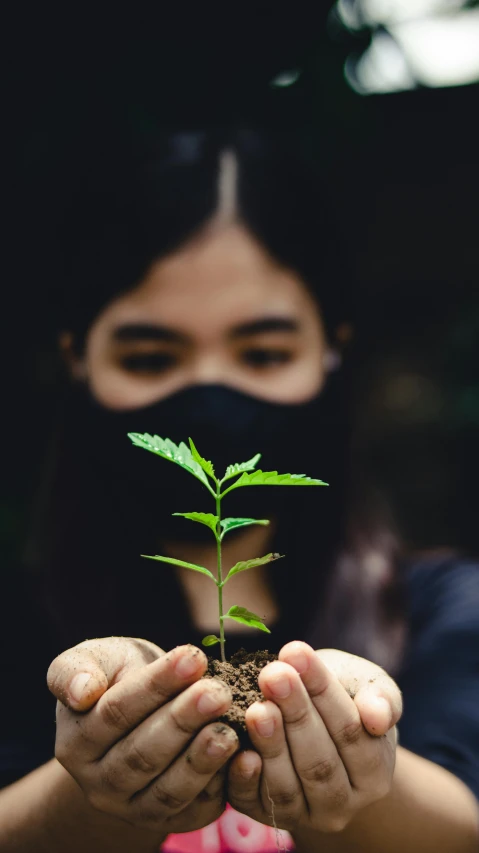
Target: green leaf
{"x": 246, "y": 617}
{"x": 272, "y": 478}
{"x": 204, "y": 463}
{"x": 184, "y": 565}
{"x": 243, "y": 565}
{"x": 210, "y": 640}
{"x": 167, "y": 449}
{"x": 230, "y": 523}
{"x": 206, "y": 518}
{"x": 239, "y": 467}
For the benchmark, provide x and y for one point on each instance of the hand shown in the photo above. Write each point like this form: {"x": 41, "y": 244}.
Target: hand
{"x": 134, "y": 730}
{"x": 325, "y": 740}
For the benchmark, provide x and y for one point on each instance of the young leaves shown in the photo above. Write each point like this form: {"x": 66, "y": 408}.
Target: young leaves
{"x": 191, "y": 460}
{"x": 243, "y": 565}
{"x": 184, "y": 565}
{"x": 239, "y": 467}
{"x": 210, "y": 640}
{"x": 206, "y": 518}
{"x": 231, "y": 523}
{"x": 167, "y": 449}
{"x": 205, "y": 464}
{"x": 246, "y": 617}
{"x": 272, "y": 478}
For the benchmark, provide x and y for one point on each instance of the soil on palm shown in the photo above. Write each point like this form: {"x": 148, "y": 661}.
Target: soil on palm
{"x": 241, "y": 674}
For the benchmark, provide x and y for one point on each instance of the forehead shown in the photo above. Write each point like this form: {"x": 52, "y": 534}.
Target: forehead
{"x": 221, "y": 278}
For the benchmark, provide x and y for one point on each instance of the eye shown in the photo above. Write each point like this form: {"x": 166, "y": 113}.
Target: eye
{"x": 261, "y": 357}
{"x": 153, "y": 362}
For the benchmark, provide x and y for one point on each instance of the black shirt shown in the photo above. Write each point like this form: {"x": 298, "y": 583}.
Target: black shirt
{"x": 439, "y": 675}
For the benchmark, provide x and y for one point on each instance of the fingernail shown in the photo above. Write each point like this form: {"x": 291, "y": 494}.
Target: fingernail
{"x": 299, "y": 660}
{"x": 78, "y": 684}
{"x": 247, "y": 772}
{"x": 280, "y": 686}
{"x": 247, "y": 767}
{"x": 187, "y": 665}
{"x": 216, "y": 748}
{"x": 210, "y": 702}
{"x": 265, "y": 727}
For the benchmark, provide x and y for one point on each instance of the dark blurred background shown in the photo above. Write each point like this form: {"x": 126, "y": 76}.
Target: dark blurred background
{"x": 388, "y": 90}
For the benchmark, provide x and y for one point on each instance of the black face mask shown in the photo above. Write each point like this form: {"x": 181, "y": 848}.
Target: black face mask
{"x": 227, "y": 426}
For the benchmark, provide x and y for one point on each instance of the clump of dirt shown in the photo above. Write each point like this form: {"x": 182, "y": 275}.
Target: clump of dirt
{"x": 241, "y": 674}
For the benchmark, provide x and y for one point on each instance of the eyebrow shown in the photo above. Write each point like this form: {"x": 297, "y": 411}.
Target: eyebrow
{"x": 153, "y": 332}
{"x": 268, "y": 324}
{"x": 148, "y": 332}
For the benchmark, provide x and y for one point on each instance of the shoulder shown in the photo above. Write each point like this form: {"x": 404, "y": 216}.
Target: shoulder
{"x": 441, "y": 591}
{"x": 442, "y": 581}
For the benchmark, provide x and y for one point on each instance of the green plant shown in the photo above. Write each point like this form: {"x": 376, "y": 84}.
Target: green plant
{"x": 189, "y": 459}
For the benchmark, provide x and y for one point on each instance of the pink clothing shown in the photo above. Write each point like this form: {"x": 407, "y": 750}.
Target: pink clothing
{"x": 233, "y": 832}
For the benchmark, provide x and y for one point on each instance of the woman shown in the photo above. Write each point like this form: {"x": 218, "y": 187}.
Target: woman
{"x": 206, "y": 298}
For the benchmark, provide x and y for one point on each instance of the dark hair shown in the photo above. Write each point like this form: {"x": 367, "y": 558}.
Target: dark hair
{"x": 133, "y": 205}
{"x": 136, "y": 202}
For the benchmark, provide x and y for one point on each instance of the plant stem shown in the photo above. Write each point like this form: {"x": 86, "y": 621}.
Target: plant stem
{"x": 220, "y": 576}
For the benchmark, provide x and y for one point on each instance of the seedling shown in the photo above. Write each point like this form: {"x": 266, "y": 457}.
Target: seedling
{"x": 189, "y": 459}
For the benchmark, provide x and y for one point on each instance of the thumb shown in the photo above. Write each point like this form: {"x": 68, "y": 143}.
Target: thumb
{"x": 379, "y": 709}
{"x": 377, "y": 697}
{"x": 81, "y": 675}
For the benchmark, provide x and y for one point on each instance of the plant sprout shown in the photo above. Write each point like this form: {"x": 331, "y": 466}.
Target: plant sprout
{"x": 189, "y": 459}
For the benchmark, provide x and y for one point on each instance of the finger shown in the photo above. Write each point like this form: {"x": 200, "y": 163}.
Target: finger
{"x": 314, "y": 753}
{"x": 207, "y": 806}
{"x": 279, "y": 781}
{"x": 357, "y": 674}
{"x": 380, "y": 705}
{"x": 79, "y": 676}
{"x": 375, "y": 711}
{"x": 243, "y": 783}
{"x": 363, "y": 756}
{"x": 172, "y": 792}
{"x": 125, "y": 705}
{"x": 132, "y": 763}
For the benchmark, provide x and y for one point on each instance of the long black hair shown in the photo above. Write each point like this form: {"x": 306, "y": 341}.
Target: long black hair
{"x": 129, "y": 205}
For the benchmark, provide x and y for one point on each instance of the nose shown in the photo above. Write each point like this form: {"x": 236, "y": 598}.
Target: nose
{"x": 209, "y": 369}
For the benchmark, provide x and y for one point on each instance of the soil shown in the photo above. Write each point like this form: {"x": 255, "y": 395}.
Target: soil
{"x": 241, "y": 674}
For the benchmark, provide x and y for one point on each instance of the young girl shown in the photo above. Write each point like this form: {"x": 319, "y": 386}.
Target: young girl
{"x": 207, "y": 296}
